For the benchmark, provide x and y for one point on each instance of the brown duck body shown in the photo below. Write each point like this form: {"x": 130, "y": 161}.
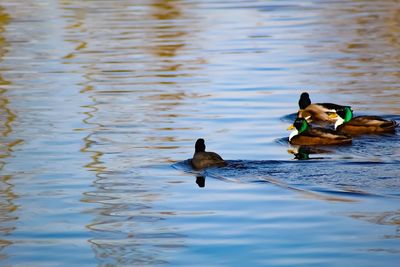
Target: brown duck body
{"x": 320, "y": 136}
{"x": 318, "y": 112}
{"x": 206, "y": 159}
{"x": 367, "y": 125}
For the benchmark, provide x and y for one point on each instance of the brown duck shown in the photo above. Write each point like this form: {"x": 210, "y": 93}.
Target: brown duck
{"x": 317, "y": 111}
{"x": 304, "y": 134}
{"x": 350, "y": 125}
{"x": 203, "y": 159}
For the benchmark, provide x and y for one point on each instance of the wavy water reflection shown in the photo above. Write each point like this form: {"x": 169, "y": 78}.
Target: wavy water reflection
{"x": 99, "y": 98}
{"x": 363, "y": 58}
{"x": 8, "y": 207}
{"x": 120, "y": 224}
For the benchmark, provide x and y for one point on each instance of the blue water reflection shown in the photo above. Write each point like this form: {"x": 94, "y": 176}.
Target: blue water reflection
{"x": 99, "y": 98}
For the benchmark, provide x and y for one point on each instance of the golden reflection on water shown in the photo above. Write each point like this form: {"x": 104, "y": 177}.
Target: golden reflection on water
{"x": 147, "y": 64}
{"x": 169, "y": 37}
{"x": 370, "y": 48}
{"x": 391, "y": 218}
{"x": 7, "y": 116}
{"x": 166, "y": 44}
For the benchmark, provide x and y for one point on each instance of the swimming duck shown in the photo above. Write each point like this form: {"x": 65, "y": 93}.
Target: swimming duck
{"x": 303, "y": 134}
{"x": 317, "y": 111}
{"x": 202, "y": 159}
{"x": 348, "y": 124}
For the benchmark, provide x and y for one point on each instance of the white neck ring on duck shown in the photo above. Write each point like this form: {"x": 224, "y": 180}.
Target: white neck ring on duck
{"x": 339, "y": 122}
{"x": 293, "y": 134}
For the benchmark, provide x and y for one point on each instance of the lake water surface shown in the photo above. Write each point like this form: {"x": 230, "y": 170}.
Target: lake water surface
{"x": 101, "y": 103}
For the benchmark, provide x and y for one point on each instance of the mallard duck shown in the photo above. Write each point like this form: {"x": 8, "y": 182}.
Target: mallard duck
{"x": 317, "y": 111}
{"x": 303, "y": 134}
{"x": 202, "y": 159}
{"x": 348, "y": 124}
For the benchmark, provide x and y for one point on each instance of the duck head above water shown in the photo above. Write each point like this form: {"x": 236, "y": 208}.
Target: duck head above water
{"x": 200, "y": 145}
{"x": 344, "y": 115}
{"x": 300, "y": 125}
{"x": 304, "y": 100}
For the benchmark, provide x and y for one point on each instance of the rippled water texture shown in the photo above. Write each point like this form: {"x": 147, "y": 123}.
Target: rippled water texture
{"x": 101, "y": 103}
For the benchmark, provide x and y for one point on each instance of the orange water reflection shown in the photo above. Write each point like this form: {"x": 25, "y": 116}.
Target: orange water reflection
{"x": 144, "y": 79}
{"x": 7, "y": 144}
{"x": 163, "y": 69}
{"x": 369, "y": 53}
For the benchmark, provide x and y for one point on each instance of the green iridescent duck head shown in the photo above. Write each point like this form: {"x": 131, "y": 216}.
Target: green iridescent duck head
{"x": 300, "y": 125}
{"x": 344, "y": 115}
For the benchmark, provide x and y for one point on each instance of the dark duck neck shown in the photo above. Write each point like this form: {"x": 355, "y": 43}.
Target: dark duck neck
{"x": 200, "y": 146}
{"x": 304, "y": 100}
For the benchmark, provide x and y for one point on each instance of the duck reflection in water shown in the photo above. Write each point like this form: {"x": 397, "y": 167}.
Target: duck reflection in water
{"x": 303, "y": 152}
{"x": 201, "y": 181}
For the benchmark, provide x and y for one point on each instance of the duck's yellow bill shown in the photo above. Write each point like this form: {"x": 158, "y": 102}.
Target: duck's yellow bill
{"x": 291, "y": 151}
{"x": 291, "y": 127}
{"x": 332, "y": 115}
